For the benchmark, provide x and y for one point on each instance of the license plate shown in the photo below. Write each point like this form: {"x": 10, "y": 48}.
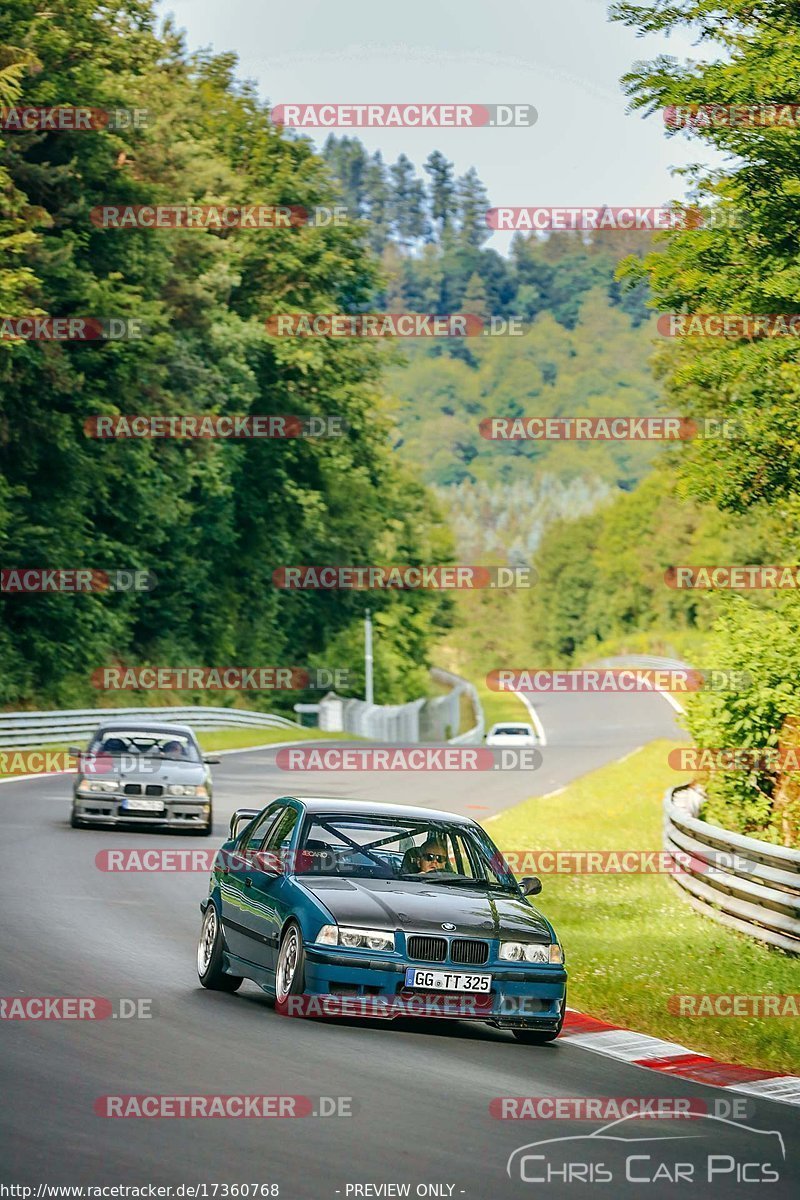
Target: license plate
{"x": 143, "y": 805}
{"x": 447, "y": 981}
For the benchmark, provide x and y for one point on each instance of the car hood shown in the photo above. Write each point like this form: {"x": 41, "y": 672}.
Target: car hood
{"x": 416, "y": 907}
{"x": 160, "y": 772}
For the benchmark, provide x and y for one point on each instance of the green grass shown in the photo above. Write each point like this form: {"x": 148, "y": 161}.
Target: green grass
{"x": 501, "y": 706}
{"x": 235, "y": 739}
{"x": 632, "y": 941}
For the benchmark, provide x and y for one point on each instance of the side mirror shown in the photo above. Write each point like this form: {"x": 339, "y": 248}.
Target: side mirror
{"x": 210, "y": 758}
{"x": 242, "y": 817}
{"x": 76, "y": 752}
{"x": 531, "y": 885}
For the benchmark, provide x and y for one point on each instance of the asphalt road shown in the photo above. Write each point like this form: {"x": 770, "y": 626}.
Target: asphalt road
{"x": 420, "y": 1093}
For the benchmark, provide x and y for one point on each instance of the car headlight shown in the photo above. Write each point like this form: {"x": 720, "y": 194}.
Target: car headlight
{"x": 98, "y": 785}
{"x": 355, "y": 939}
{"x": 531, "y": 952}
{"x": 199, "y": 792}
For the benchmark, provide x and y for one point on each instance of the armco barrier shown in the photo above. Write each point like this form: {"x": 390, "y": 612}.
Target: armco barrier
{"x": 453, "y": 711}
{"x": 424, "y": 720}
{"x": 56, "y": 728}
{"x": 753, "y": 887}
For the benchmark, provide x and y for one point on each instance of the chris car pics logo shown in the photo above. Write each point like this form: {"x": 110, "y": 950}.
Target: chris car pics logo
{"x": 714, "y": 1151}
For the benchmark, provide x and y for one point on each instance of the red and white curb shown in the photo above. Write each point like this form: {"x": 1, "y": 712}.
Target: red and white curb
{"x": 657, "y": 1055}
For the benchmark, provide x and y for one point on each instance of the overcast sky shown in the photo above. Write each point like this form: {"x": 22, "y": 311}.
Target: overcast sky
{"x": 563, "y": 56}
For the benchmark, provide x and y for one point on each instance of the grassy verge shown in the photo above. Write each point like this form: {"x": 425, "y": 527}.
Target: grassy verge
{"x": 240, "y": 739}
{"x": 210, "y": 740}
{"x": 501, "y": 706}
{"x": 632, "y": 941}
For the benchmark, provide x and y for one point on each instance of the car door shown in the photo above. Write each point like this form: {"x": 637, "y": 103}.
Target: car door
{"x": 236, "y": 882}
{"x": 268, "y": 888}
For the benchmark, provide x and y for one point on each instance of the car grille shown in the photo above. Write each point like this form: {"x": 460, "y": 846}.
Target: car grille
{"x": 132, "y": 789}
{"x": 469, "y": 950}
{"x": 154, "y": 789}
{"x": 427, "y": 949}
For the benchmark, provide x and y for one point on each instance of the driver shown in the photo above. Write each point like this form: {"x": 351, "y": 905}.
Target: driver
{"x": 174, "y": 750}
{"x": 433, "y": 856}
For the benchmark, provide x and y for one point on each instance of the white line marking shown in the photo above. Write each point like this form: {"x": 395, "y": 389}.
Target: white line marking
{"x": 670, "y": 699}
{"x": 534, "y": 716}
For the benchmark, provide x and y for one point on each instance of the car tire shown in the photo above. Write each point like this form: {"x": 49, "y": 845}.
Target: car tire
{"x": 75, "y": 821}
{"x": 539, "y": 1037}
{"x": 290, "y": 969}
{"x": 210, "y": 950}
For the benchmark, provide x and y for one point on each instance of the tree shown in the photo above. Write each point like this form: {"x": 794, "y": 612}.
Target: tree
{"x": 475, "y": 299}
{"x": 443, "y": 206}
{"x": 473, "y": 204}
{"x": 407, "y": 218}
{"x": 211, "y": 519}
{"x": 747, "y": 261}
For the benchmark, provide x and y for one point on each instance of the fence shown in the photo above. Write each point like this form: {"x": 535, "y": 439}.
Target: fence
{"x": 434, "y": 719}
{"x": 750, "y": 885}
{"x": 56, "y": 728}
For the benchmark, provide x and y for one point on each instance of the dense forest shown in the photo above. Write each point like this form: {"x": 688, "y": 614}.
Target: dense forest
{"x": 211, "y": 519}
{"x": 720, "y": 500}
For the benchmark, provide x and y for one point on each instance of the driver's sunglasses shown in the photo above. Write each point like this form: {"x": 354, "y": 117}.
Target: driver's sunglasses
{"x": 435, "y": 857}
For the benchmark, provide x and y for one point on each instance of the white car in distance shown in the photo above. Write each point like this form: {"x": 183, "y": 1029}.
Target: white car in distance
{"x": 511, "y": 733}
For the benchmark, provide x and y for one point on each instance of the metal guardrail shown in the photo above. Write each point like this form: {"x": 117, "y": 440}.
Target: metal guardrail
{"x": 58, "y": 727}
{"x": 427, "y": 719}
{"x": 741, "y": 882}
{"x": 460, "y": 687}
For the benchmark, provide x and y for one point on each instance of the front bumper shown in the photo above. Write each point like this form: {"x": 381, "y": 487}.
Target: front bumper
{"x": 521, "y": 997}
{"x": 110, "y": 810}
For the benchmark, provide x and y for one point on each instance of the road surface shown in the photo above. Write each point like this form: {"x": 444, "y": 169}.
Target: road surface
{"x": 419, "y": 1093}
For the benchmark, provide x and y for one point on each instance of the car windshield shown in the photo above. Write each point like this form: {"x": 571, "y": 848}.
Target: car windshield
{"x": 435, "y": 852}
{"x": 177, "y": 747}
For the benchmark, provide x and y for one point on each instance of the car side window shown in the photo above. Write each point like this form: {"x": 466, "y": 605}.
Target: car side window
{"x": 253, "y": 836}
{"x": 280, "y": 834}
